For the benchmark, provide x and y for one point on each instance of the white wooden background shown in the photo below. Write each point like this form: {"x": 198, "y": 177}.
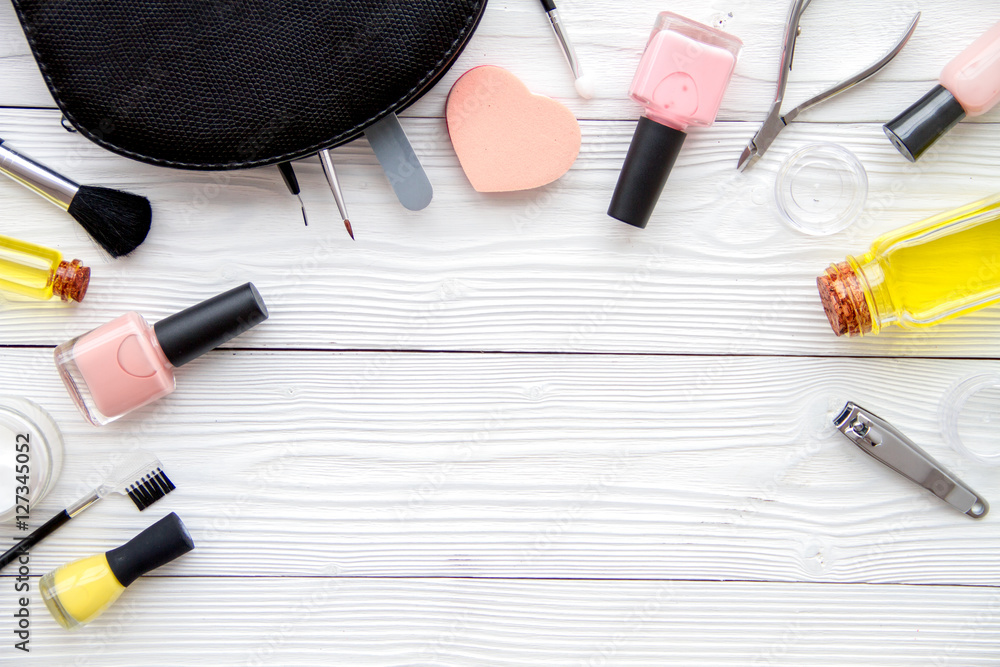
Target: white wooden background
{"x": 508, "y": 430}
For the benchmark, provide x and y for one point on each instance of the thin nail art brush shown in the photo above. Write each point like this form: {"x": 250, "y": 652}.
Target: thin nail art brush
{"x": 288, "y": 174}
{"x": 326, "y": 160}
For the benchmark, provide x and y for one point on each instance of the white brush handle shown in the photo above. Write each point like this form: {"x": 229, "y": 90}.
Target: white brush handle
{"x": 39, "y": 178}
{"x": 326, "y": 161}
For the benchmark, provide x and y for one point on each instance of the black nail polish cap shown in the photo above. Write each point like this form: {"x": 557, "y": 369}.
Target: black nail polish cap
{"x": 159, "y": 544}
{"x": 651, "y": 156}
{"x": 927, "y": 120}
{"x": 196, "y": 330}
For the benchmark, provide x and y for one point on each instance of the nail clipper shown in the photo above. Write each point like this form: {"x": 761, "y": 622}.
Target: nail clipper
{"x": 881, "y": 440}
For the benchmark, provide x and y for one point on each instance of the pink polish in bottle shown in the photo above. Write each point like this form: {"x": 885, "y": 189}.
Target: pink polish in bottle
{"x": 126, "y": 363}
{"x": 968, "y": 86}
{"x": 683, "y": 74}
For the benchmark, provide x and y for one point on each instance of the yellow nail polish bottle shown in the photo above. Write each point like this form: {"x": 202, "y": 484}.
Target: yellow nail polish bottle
{"x": 80, "y": 591}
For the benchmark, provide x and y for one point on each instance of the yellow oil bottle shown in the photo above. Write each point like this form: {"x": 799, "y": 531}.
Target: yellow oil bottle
{"x": 918, "y": 275}
{"x": 39, "y": 272}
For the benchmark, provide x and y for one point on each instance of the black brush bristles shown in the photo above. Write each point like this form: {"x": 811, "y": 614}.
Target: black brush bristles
{"x": 118, "y": 221}
{"x": 149, "y": 489}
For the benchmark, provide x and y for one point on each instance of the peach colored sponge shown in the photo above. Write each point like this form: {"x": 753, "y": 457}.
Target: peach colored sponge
{"x": 506, "y": 137}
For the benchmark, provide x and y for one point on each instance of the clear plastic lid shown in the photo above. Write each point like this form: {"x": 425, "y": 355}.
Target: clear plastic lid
{"x": 31, "y": 455}
{"x": 821, "y": 189}
{"x": 970, "y": 417}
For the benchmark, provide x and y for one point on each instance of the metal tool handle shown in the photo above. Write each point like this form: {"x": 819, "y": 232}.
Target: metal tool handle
{"x": 850, "y": 82}
{"x": 774, "y": 122}
{"x": 56, "y": 188}
{"x": 882, "y": 441}
{"x": 565, "y": 45}
{"x": 788, "y": 46}
{"x": 326, "y": 161}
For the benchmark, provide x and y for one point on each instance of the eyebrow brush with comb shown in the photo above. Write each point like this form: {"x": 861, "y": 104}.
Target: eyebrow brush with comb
{"x": 140, "y": 476}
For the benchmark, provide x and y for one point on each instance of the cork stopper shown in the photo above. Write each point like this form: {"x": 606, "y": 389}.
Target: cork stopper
{"x": 844, "y": 301}
{"x": 71, "y": 280}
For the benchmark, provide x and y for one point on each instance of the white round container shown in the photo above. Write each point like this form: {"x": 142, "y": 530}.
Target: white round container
{"x": 31, "y": 456}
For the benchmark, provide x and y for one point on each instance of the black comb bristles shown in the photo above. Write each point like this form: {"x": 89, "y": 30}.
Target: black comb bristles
{"x": 150, "y": 488}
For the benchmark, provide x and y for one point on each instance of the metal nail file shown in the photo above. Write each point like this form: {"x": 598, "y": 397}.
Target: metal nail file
{"x": 882, "y": 441}
{"x": 402, "y": 167}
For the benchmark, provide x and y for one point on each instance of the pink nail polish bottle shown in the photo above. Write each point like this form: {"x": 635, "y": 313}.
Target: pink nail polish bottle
{"x": 126, "y": 363}
{"x": 968, "y": 86}
{"x": 681, "y": 79}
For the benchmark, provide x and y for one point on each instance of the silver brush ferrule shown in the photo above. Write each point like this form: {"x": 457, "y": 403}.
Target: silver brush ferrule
{"x": 57, "y": 189}
{"x": 82, "y": 504}
{"x": 326, "y": 161}
{"x": 564, "y": 44}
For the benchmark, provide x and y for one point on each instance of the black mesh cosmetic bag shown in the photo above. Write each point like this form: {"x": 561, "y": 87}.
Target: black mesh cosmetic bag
{"x": 230, "y": 84}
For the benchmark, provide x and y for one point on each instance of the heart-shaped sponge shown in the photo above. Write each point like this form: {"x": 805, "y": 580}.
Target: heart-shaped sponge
{"x": 506, "y": 137}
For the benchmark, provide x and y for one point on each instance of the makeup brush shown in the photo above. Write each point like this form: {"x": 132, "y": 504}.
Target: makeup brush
{"x": 584, "y": 84}
{"x": 288, "y": 175}
{"x": 326, "y": 160}
{"x": 139, "y": 476}
{"x": 117, "y": 221}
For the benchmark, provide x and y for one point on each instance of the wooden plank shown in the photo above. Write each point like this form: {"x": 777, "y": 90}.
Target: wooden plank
{"x": 713, "y": 468}
{"x": 547, "y": 270}
{"x": 343, "y": 620}
{"x": 609, "y": 40}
